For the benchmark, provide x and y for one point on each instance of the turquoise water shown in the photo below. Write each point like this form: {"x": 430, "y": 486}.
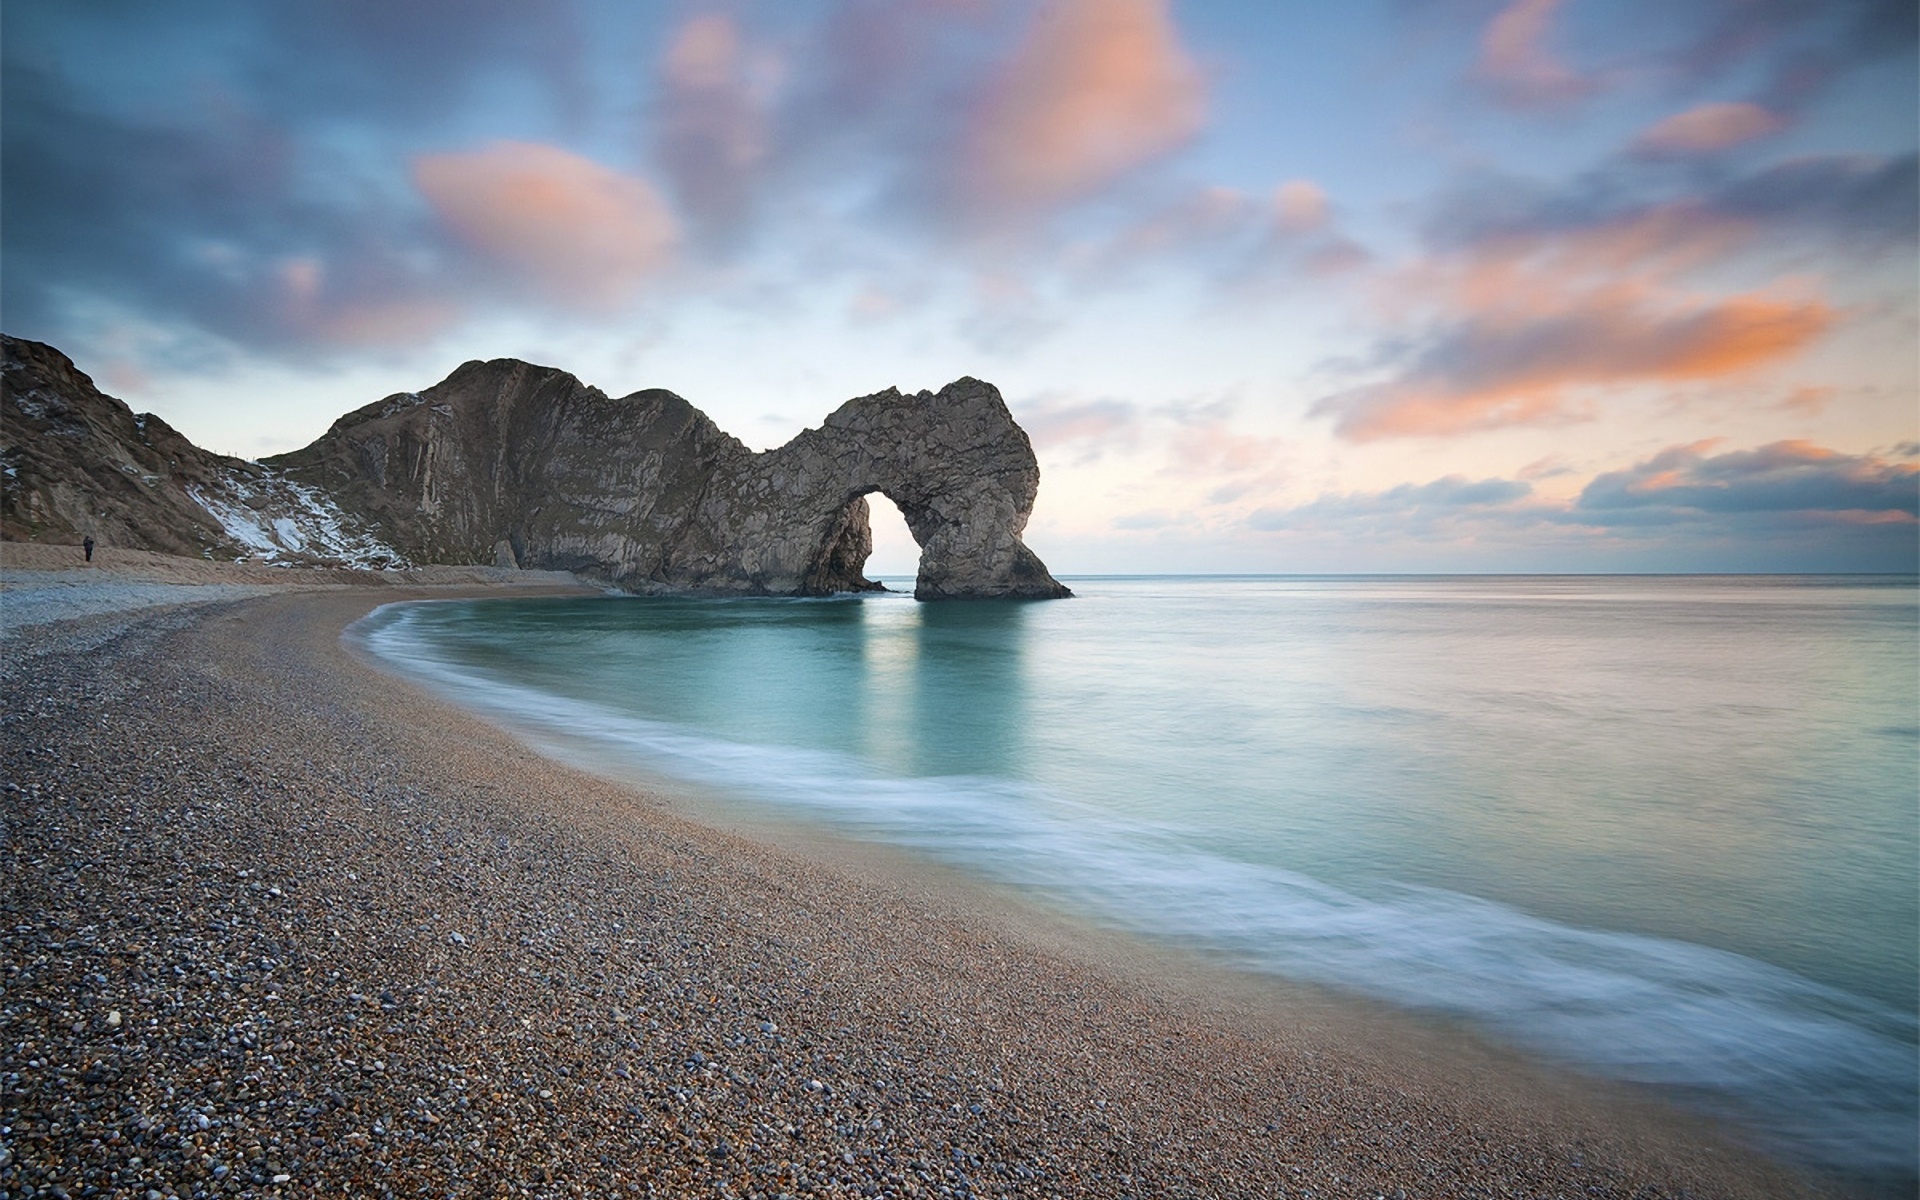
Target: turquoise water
{"x": 1662, "y": 829}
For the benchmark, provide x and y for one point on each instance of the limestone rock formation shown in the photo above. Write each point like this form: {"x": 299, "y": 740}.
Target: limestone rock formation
{"x": 508, "y": 462}
{"x": 80, "y": 463}
{"x": 77, "y": 463}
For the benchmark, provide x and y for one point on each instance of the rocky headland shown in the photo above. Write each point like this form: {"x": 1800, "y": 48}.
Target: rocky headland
{"x": 508, "y": 464}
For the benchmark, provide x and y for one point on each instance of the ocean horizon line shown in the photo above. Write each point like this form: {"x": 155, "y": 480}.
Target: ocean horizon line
{"x": 1130, "y": 575}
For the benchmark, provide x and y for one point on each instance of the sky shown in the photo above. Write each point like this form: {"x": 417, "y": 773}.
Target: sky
{"x": 1400, "y": 286}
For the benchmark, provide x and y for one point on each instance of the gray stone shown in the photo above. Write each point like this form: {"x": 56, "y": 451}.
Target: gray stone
{"x": 508, "y": 462}
{"x": 525, "y": 467}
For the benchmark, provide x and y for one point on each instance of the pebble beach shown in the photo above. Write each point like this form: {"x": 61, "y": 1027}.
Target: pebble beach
{"x": 277, "y": 924}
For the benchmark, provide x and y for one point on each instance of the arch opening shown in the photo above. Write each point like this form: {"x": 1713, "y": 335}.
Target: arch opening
{"x": 846, "y": 553}
{"x": 896, "y": 553}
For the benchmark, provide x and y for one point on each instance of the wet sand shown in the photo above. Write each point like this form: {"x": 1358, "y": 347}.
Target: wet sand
{"x": 278, "y": 924}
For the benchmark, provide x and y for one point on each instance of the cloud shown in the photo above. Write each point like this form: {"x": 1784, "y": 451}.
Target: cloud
{"x": 879, "y": 61}
{"x": 1828, "y": 200}
{"x": 1863, "y": 201}
{"x": 1683, "y": 482}
{"x": 203, "y": 219}
{"x": 1707, "y": 129}
{"x": 1206, "y": 229}
{"x": 1006, "y": 314}
{"x": 1533, "y": 301}
{"x": 584, "y": 234}
{"x": 1790, "y": 52}
{"x": 406, "y": 60}
{"x": 1089, "y": 426}
{"x": 1299, "y": 206}
{"x": 1797, "y": 49}
{"x": 1788, "y": 506}
{"x": 1516, "y": 66}
{"x": 1444, "y": 497}
{"x": 1553, "y": 466}
{"x": 1096, "y": 89}
{"x": 711, "y": 125}
{"x": 1809, "y": 399}
{"x": 1626, "y": 218}
{"x": 1236, "y": 246}
{"x": 1212, "y": 448}
{"x": 1508, "y": 367}
{"x": 1303, "y": 237}
{"x": 1150, "y": 519}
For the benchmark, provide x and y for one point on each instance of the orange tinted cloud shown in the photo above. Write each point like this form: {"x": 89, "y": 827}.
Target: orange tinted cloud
{"x": 586, "y": 235}
{"x": 1096, "y": 89}
{"x": 1509, "y": 367}
{"x": 1525, "y": 325}
{"x": 1706, "y": 129}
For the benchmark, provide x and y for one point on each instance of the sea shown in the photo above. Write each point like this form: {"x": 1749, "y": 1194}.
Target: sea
{"x": 1661, "y": 830}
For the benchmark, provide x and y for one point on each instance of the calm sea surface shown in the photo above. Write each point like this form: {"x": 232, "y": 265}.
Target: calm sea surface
{"x": 1666, "y": 830}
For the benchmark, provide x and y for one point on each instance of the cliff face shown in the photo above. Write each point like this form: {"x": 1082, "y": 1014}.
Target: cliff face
{"x": 77, "y": 463}
{"x": 507, "y": 463}
{"x": 510, "y": 464}
{"x": 521, "y": 465}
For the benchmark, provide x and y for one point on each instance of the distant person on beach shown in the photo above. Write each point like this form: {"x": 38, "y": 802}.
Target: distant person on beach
{"x": 86, "y": 543}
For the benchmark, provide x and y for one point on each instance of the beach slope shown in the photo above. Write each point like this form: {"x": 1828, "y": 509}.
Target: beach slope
{"x": 277, "y": 924}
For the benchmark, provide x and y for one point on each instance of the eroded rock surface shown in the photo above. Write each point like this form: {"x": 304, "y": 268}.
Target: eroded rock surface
{"x": 507, "y": 462}
{"x": 960, "y": 470}
{"x": 76, "y": 463}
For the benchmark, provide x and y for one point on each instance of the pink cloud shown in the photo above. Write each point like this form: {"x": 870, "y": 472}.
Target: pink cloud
{"x": 1096, "y": 89}
{"x": 1299, "y": 206}
{"x": 711, "y": 128}
{"x": 1515, "y": 366}
{"x": 1213, "y": 448}
{"x": 1517, "y": 67}
{"x": 584, "y": 234}
{"x": 1531, "y": 326}
{"x": 1707, "y": 129}
{"x": 306, "y": 302}
{"x": 386, "y": 322}
{"x": 1055, "y": 422}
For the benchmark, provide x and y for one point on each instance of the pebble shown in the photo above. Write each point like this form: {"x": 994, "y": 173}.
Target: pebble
{"x": 614, "y": 945}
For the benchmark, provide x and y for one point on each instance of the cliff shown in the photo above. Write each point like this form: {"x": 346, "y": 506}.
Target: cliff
{"x": 75, "y": 462}
{"x": 512, "y": 464}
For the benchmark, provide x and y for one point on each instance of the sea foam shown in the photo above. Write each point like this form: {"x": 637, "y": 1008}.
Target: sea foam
{"x": 1815, "y": 1073}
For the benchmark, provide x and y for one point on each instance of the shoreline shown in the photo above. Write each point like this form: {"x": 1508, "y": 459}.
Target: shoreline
{"x": 491, "y": 973}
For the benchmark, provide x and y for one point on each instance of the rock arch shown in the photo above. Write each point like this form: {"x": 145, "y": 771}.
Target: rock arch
{"x": 960, "y": 470}
{"x": 508, "y": 462}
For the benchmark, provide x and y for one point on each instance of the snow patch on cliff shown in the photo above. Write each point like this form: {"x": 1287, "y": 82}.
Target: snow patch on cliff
{"x": 287, "y": 522}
